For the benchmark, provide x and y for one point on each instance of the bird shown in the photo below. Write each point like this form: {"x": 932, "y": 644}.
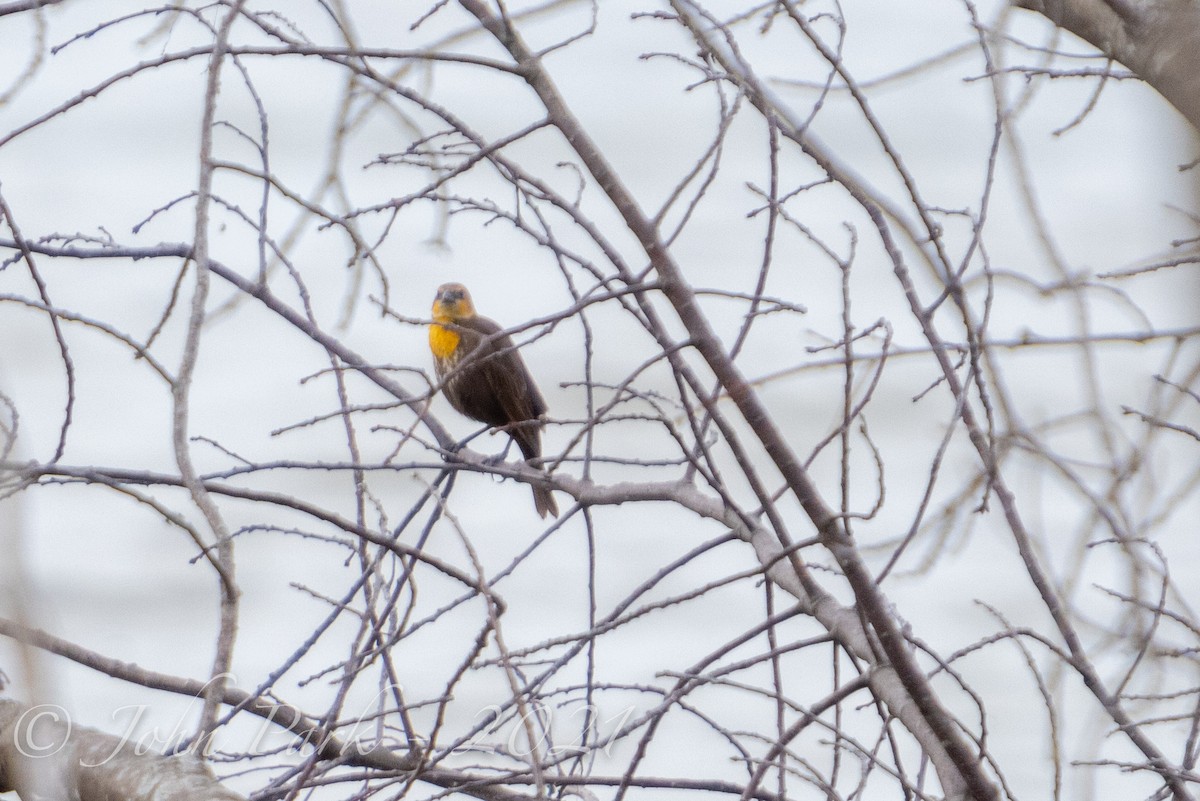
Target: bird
{"x": 484, "y": 377}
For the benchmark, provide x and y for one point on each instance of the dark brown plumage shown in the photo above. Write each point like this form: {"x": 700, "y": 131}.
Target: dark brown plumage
{"x": 484, "y": 377}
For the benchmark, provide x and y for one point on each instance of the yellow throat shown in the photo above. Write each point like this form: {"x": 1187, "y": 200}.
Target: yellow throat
{"x": 442, "y": 340}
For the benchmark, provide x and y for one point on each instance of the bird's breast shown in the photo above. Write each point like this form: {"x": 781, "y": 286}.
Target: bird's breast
{"x": 443, "y": 341}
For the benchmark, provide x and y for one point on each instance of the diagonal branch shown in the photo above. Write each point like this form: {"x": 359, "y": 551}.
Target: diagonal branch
{"x": 958, "y": 767}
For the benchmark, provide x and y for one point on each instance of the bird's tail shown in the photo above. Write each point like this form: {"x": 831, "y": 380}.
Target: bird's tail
{"x": 528, "y": 435}
{"x": 544, "y": 502}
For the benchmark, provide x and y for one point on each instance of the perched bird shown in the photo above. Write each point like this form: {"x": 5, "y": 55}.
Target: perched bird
{"x": 485, "y": 378}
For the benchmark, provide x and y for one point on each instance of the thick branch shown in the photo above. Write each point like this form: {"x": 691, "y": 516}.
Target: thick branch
{"x": 1160, "y": 41}
{"x": 43, "y": 756}
{"x": 25, "y": 5}
{"x": 99, "y": 765}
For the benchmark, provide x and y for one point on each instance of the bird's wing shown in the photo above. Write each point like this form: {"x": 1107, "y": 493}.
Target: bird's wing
{"x": 505, "y": 371}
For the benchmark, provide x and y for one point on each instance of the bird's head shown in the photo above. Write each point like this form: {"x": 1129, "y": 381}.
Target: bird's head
{"x": 452, "y": 303}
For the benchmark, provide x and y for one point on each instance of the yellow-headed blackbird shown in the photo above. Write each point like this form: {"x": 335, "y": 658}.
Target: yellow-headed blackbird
{"x": 485, "y": 378}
